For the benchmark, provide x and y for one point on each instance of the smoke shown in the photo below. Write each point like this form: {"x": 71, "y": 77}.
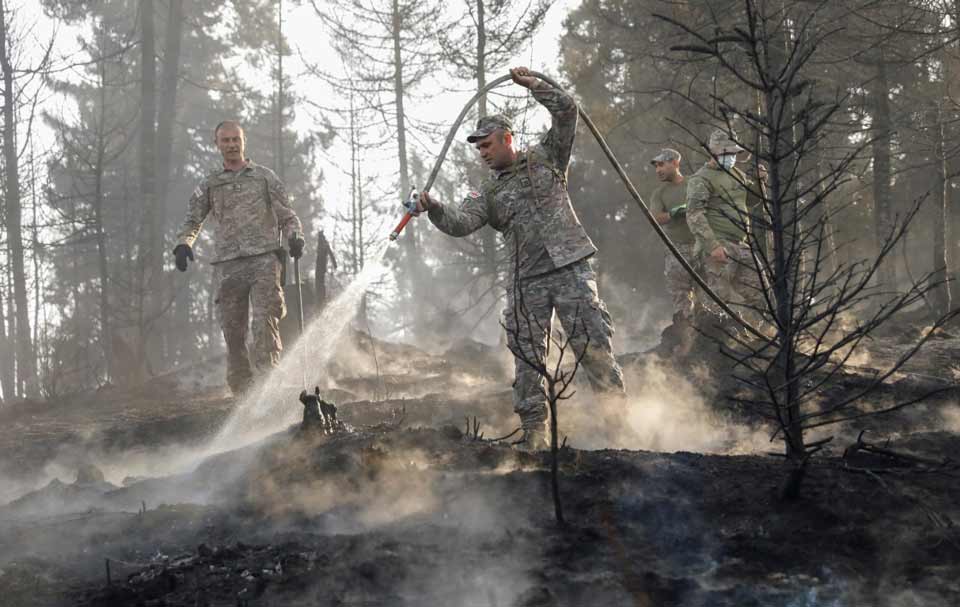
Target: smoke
{"x": 664, "y": 411}
{"x": 639, "y": 323}
{"x": 951, "y": 417}
{"x": 416, "y": 491}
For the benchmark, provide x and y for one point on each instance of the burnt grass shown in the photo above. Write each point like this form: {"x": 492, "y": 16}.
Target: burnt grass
{"x": 405, "y": 509}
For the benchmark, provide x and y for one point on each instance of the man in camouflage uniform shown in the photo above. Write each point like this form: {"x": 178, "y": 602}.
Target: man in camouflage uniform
{"x": 527, "y": 201}
{"x": 718, "y": 217}
{"x": 252, "y": 213}
{"x": 668, "y": 204}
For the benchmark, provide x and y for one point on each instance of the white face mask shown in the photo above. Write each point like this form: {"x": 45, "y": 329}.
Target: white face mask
{"x": 728, "y": 160}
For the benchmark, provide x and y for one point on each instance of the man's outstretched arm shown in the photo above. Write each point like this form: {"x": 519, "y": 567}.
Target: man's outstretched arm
{"x": 466, "y": 218}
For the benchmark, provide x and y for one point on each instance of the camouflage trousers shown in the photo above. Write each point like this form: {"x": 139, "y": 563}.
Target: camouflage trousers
{"x": 250, "y": 283}
{"x": 735, "y": 281}
{"x": 679, "y": 283}
{"x": 571, "y": 292}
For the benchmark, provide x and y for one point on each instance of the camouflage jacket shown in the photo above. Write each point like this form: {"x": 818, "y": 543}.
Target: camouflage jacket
{"x": 528, "y": 203}
{"x": 250, "y": 208}
{"x": 717, "y": 206}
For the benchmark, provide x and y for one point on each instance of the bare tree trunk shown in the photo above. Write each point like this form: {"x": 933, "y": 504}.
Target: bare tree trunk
{"x": 882, "y": 202}
{"x": 37, "y": 268}
{"x": 356, "y": 212}
{"x": 489, "y": 237}
{"x": 106, "y": 333}
{"x": 940, "y": 295}
{"x": 412, "y": 262}
{"x": 148, "y": 245}
{"x": 831, "y": 253}
{"x": 26, "y": 364}
{"x": 361, "y": 217}
{"x": 784, "y": 228}
{"x": 8, "y": 380}
{"x": 167, "y": 114}
{"x": 401, "y": 116}
{"x": 952, "y": 243}
{"x": 281, "y": 162}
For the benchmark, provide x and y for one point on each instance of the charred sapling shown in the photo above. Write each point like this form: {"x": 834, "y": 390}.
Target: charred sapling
{"x": 799, "y": 288}
{"x": 528, "y": 333}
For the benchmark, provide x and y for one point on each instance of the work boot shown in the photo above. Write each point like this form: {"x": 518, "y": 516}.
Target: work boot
{"x": 534, "y": 438}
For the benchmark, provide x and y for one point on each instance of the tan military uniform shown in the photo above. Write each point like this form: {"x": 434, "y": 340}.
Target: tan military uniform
{"x": 717, "y": 216}
{"x": 679, "y": 283}
{"x": 530, "y": 206}
{"x": 253, "y": 217}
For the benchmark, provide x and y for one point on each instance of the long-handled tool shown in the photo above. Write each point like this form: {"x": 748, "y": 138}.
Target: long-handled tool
{"x": 303, "y": 349}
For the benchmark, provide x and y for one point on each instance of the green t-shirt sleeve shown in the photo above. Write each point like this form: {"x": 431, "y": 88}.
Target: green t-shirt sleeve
{"x": 656, "y": 201}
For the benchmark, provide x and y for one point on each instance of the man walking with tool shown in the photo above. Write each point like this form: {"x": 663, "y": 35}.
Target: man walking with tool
{"x": 669, "y": 206}
{"x": 527, "y": 201}
{"x": 252, "y": 214}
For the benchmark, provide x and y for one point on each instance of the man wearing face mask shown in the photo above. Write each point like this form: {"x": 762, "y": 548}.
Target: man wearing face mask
{"x": 718, "y": 217}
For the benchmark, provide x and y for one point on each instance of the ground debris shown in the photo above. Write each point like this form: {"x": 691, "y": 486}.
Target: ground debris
{"x": 413, "y": 506}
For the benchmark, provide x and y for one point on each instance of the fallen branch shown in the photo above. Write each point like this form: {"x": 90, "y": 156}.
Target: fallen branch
{"x": 502, "y": 438}
{"x": 900, "y": 458}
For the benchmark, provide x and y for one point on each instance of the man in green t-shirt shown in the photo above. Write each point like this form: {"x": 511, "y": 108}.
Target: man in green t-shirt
{"x": 668, "y": 203}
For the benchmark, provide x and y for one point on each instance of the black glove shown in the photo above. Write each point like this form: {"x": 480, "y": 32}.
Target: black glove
{"x": 678, "y": 211}
{"x": 183, "y": 253}
{"x": 296, "y": 244}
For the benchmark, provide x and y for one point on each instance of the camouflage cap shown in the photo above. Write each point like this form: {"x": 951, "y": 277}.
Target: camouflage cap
{"x": 724, "y": 142}
{"x": 665, "y": 155}
{"x": 489, "y": 124}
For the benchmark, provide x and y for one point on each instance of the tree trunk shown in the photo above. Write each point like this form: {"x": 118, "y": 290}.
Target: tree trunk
{"x": 489, "y": 237}
{"x": 26, "y": 364}
{"x": 166, "y": 116}
{"x": 882, "y": 199}
{"x": 784, "y": 228}
{"x": 147, "y": 265}
{"x": 940, "y": 294}
{"x": 355, "y": 209}
{"x": 106, "y": 334}
{"x": 8, "y": 380}
{"x": 412, "y": 262}
{"x": 280, "y": 161}
{"x": 37, "y": 267}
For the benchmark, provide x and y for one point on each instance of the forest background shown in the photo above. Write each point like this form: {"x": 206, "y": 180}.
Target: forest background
{"x": 109, "y": 107}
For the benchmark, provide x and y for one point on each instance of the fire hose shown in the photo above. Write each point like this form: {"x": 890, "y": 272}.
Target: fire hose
{"x": 411, "y": 199}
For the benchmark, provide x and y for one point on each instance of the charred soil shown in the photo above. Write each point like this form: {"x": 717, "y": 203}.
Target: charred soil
{"x": 412, "y": 506}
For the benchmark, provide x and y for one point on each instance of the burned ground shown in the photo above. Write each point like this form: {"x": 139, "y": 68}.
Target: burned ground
{"x": 411, "y": 508}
